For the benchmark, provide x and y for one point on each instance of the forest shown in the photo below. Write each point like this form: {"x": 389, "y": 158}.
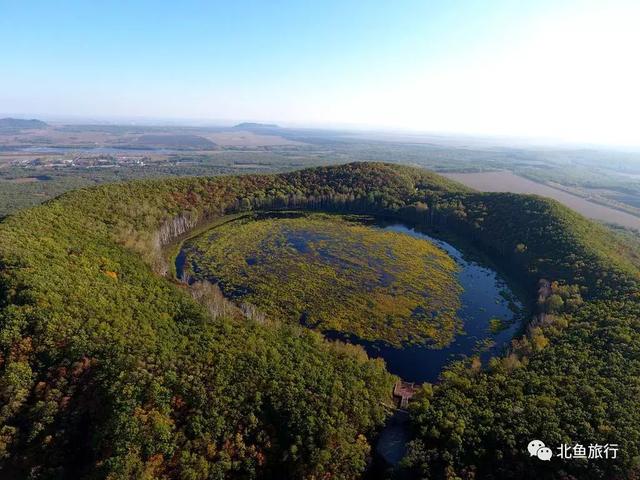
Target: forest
{"x": 111, "y": 369}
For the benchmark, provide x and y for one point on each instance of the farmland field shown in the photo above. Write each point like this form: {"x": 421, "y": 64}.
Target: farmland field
{"x": 508, "y": 182}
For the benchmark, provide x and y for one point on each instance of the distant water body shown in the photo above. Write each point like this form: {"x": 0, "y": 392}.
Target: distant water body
{"x": 99, "y": 150}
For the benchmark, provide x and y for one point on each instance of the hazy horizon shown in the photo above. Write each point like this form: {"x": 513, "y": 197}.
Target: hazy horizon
{"x": 551, "y": 71}
{"x": 399, "y": 135}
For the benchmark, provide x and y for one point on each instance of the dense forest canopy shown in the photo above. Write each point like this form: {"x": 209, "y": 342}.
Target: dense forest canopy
{"x": 110, "y": 370}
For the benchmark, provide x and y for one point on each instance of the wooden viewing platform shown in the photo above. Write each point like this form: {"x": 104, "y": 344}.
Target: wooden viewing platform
{"x": 404, "y": 391}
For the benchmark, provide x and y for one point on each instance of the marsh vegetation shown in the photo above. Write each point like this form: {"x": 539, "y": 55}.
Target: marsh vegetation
{"x": 334, "y": 273}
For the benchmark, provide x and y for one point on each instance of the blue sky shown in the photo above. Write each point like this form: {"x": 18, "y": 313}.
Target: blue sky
{"x": 494, "y": 67}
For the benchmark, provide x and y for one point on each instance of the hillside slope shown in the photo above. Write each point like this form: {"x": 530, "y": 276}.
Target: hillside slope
{"x": 17, "y": 124}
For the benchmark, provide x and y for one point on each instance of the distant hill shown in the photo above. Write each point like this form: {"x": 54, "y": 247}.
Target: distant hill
{"x": 256, "y": 125}
{"x": 20, "y": 124}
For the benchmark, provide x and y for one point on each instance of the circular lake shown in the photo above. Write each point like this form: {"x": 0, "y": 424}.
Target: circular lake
{"x": 488, "y": 312}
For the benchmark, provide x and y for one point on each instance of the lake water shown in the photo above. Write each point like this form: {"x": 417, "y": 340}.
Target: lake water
{"x": 99, "y": 150}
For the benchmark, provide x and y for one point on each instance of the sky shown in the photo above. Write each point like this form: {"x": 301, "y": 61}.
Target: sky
{"x": 561, "y": 69}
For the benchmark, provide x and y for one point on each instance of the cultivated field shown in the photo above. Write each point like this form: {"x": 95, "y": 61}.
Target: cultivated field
{"x": 508, "y": 182}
